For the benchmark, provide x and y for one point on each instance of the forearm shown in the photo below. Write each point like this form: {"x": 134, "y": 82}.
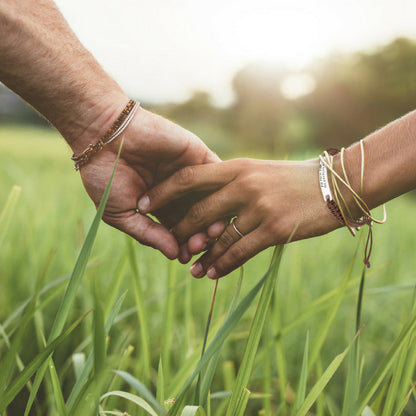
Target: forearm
{"x": 390, "y": 162}
{"x": 42, "y": 60}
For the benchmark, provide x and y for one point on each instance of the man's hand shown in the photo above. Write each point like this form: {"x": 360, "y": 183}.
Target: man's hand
{"x": 43, "y": 61}
{"x": 153, "y": 149}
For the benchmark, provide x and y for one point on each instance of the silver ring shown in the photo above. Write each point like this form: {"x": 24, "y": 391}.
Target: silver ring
{"x": 236, "y": 229}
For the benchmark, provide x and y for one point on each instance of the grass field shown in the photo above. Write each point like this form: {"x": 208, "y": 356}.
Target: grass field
{"x": 158, "y": 330}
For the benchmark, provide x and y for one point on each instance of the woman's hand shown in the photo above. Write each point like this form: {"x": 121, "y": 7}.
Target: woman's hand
{"x": 273, "y": 201}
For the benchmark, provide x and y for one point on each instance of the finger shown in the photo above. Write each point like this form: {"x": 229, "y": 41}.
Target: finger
{"x": 191, "y": 178}
{"x": 145, "y": 231}
{"x": 184, "y": 255}
{"x": 197, "y": 243}
{"x": 238, "y": 254}
{"x": 230, "y": 236}
{"x": 201, "y": 241}
{"x": 221, "y": 204}
{"x": 215, "y": 230}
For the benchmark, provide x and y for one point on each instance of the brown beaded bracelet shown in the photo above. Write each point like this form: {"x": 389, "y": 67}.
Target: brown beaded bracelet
{"x": 112, "y": 133}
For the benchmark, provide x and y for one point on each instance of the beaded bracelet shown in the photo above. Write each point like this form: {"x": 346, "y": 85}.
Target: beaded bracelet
{"x": 112, "y": 133}
{"x": 337, "y": 203}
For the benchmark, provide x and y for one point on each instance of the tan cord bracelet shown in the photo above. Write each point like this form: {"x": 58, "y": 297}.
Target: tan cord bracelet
{"x": 112, "y": 133}
{"x": 337, "y": 203}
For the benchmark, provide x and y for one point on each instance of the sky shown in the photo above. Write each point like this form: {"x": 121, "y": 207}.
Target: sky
{"x": 163, "y": 50}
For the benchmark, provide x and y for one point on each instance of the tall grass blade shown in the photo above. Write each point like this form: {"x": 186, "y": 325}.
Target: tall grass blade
{"x": 18, "y": 383}
{"x": 403, "y": 404}
{"x": 229, "y": 324}
{"x": 179, "y": 378}
{"x": 99, "y": 336}
{"x": 78, "y": 362}
{"x": 142, "y": 390}
{"x": 208, "y": 375}
{"x": 301, "y": 393}
{"x": 321, "y": 384}
{"x": 320, "y": 401}
{"x": 385, "y": 365}
{"x": 73, "y": 284}
{"x": 88, "y": 403}
{"x": 119, "y": 272}
{"x": 317, "y": 306}
{"x": 87, "y": 368}
{"x": 255, "y": 333}
{"x": 267, "y": 369}
{"x": 19, "y": 361}
{"x": 212, "y": 365}
{"x": 406, "y": 364}
{"x": 280, "y": 359}
{"x": 57, "y": 390}
{"x": 360, "y": 299}
{"x": 141, "y": 311}
{"x": 242, "y": 403}
{"x": 168, "y": 317}
{"x": 133, "y": 398}
{"x": 160, "y": 388}
{"x": 392, "y": 394}
{"x": 7, "y": 365}
{"x": 53, "y": 386}
{"x": 330, "y": 315}
{"x": 352, "y": 387}
{"x": 16, "y": 314}
{"x": 193, "y": 411}
{"x": 8, "y": 211}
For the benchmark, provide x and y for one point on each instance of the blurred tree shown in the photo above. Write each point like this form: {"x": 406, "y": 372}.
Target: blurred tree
{"x": 259, "y": 113}
{"x": 198, "y": 107}
{"x": 356, "y": 94}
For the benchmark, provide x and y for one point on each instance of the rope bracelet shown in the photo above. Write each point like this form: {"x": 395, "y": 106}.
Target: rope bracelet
{"x": 336, "y": 204}
{"x": 112, "y": 133}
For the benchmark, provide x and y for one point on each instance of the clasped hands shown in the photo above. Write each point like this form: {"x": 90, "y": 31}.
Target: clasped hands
{"x": 166, "y": 171}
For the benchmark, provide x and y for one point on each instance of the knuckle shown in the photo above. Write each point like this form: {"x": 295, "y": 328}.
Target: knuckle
{"x": 252, "y": 182}
{"x": 236, "y": 255}
{"x": 244, "y": 161}
{"x": 185, "y": 176}
{"x": 226, "y": 239}
{"x": 264, "y": 205}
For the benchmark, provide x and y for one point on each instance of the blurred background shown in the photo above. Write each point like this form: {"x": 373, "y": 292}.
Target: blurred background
{"x": 266, "y": 78}
{"x": 270, "y": 79}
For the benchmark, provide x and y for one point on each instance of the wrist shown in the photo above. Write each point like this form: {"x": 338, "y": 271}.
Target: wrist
{"x": 91, "y": 119}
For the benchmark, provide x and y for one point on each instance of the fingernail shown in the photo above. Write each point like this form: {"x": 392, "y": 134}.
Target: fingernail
{"x": 184, "y": 255}
{"x": 197, "y": 270}
{"x": 212, "y": 273}
{"x": 144, "y": 203}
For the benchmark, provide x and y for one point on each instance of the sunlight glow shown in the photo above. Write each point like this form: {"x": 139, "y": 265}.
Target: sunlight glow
{"x": 163, "y": 49}
{"x": 297, "y": 85}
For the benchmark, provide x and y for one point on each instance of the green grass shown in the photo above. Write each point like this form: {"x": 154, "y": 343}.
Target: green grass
{"x": 144, "y": 339}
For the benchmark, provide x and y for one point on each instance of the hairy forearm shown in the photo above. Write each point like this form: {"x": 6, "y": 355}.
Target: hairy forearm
{"x": 390, "y": 161}
{"x": 42, "y": 60}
